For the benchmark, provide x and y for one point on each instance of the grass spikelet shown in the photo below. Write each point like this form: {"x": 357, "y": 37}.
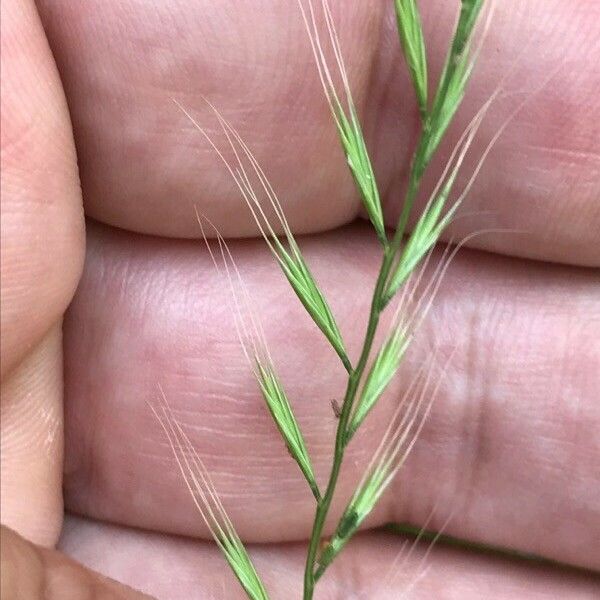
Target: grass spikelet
{"x": 432, "y": 222}
{"x": 254, "y": 346}
{"x": 400, "y": 437}
{"x": 409, "y": 315}
{"x": 204, "y": 494}
{"x": 453, "y": 82}
{"x": 345, "y": 117}
{"x": 383, "y": 370}
{"x": 290, "y": 259}
{"x": 282, "y": 414}
{"x": 413, "y": 46}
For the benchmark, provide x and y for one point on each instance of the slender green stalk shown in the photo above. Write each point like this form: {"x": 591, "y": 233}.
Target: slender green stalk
{"x": 378, "y": 304}
{"x": 342, "y": 428}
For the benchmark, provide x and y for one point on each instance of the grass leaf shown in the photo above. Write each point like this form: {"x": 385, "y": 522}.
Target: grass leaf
{"x": 284, "y": 418}
{"x": 413, "y": 45}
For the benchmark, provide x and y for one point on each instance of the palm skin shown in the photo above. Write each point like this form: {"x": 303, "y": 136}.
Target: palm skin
{"x": 511, "y": 449}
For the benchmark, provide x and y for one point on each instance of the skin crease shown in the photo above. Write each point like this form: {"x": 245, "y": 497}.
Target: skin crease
{"x": 511, "y": 441}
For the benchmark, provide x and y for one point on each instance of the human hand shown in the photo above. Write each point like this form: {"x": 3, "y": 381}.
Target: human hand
{"x": 511, "y": 447}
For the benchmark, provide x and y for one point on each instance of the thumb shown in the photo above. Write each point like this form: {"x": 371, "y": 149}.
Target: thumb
{"x": 31, "y": 572}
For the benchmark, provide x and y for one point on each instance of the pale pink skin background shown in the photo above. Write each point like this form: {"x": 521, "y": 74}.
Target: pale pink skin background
{"x": 511, "y": 450}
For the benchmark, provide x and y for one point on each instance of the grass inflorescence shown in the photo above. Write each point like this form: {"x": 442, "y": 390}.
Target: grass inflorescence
{"x": 403, "y": 254}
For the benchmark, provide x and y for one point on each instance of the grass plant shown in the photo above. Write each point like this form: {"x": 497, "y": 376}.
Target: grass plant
{"x": 402, "y": 255}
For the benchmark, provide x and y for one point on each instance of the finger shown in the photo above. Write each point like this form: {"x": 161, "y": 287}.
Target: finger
{"x": 513, "y": 424}
{"x": 42, "y": 227}
{"x": 144, "y": 165}
{"x": 42, "y": 252}
{"x": 373, "y": 566}
{"x": 33, "y": 573}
